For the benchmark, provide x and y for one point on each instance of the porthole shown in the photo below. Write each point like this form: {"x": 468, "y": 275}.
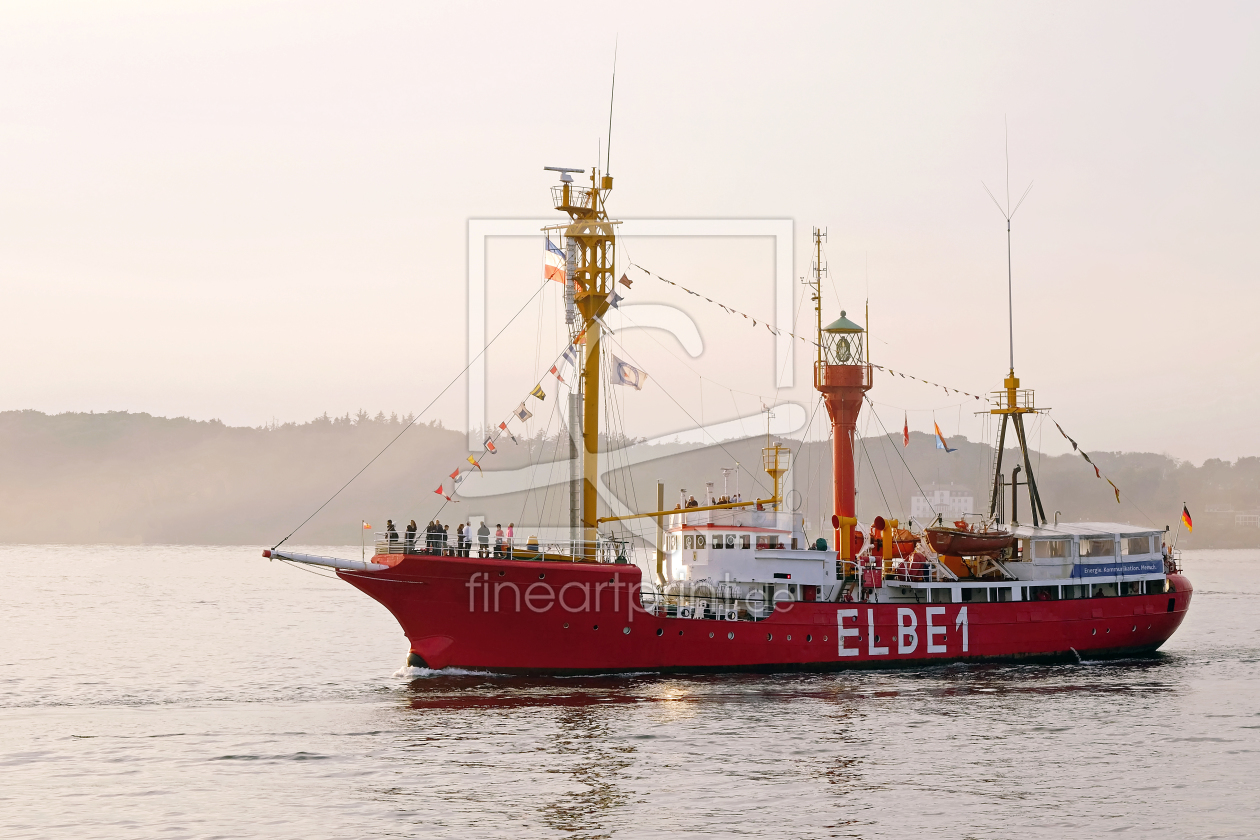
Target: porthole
{"x": 660, "y": 631}
{"x": 566, "y": 625}
{"x": 710, "y": 635}
{"x": 596, "y": 627}
{"x": 809, "y": 638}
{"x": 789, "y": 638}
{"x": 824, "y": 638}
{"x": 542, "y": 575}
{"x": 1094, "y": 632}
{"x": 502, "y": 573}
{"x": 1108, "y": 629}
{"x": 877, "y": 640}
{"x": 730, "y": 635}
{"x": 1134, "y": 630}
{"x": 679, "y": 632}
{"x": 769, "y": 637}
{"x": 1148, "y": 627}
{"x": 625, "y": 630}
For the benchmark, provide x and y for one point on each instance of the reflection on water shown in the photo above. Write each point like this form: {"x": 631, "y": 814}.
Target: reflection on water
{"x": 290, "y": 721}
{"x": 592, "y": 759}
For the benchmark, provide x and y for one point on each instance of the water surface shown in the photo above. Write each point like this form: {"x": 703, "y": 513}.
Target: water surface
{"x": 204, "y": 692}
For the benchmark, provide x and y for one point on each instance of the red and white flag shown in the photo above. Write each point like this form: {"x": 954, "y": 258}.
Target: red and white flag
{"x": 556, "y": 373}
{"x": 905, "y": 432}
{"x": 490, "y": 447}
{"x": 553, "y": 262}
{"x": 504, "y": 427}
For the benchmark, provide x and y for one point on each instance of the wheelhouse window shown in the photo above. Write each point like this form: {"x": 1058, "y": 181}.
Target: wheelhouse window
{"x": 1047, "y": 549}
{"x": 745, "y": 541}
{"x": 689, "y": 541}
{"x": 730, "y": 540}
{"x": 673, "y": 542}
{"x": 1098, "y": 547}
{"x": 699, "y": 540}
{"x": 1137, "y": 545}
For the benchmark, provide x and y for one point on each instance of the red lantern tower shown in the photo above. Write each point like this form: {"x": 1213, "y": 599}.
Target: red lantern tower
{"x": 843, "y": 375}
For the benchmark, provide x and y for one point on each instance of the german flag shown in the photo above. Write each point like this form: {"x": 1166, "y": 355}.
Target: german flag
{"x": 1186, "y": 520}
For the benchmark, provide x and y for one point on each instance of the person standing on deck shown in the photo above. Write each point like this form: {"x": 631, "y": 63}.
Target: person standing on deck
{"x": 391, "y": 534}
{"x": 498, "y": 539}
{"x": 511, "y": 532}
{"x": 446, "y": 540}
{"x": 483, "y": 537}
{"x": 410, "y": 544}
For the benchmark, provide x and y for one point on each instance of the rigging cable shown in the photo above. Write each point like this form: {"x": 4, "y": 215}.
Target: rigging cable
{"x": 432, "y": 402}
{"x": 700, "y": 426}
{"x": 899, "y": 455}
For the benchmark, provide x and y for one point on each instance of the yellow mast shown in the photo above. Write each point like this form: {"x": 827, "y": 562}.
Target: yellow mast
{"x": 594, "y": 276}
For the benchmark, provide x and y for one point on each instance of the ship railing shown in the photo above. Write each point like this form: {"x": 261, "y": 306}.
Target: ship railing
{"x": 570, "y": 195}
{"x": 517, "y": 548}
{"x": 736, "y": 518}
{"x": 1002, "y": 399}
{"x": 928, "y": 572}
{"x": 712, "y": 607}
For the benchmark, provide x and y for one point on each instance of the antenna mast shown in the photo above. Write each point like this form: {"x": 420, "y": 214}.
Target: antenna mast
{"x": 611, "y": 95}
{"x": 815, "y": 283}
{"x": 1012, "y": 401}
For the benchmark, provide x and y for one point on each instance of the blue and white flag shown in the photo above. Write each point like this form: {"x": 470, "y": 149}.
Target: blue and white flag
{"x": 627, "y": 374}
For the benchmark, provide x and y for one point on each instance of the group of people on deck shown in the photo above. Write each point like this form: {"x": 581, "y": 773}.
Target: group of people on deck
{"x": 437, "y": 539}
{"x": 721, "y": 500}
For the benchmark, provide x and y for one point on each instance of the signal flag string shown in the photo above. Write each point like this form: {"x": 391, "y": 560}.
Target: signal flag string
{"x": 732, "y": 311}
{"x": 1083, "y": 454}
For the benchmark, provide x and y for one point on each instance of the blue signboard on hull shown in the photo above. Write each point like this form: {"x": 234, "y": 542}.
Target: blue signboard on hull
{"x": 1138, "y": 567}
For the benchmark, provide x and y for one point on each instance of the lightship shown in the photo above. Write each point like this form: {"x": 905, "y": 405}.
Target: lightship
{"x": 737, "y": 586}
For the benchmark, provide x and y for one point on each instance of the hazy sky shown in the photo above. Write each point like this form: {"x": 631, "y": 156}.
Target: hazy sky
{"x": 259, "y": 210}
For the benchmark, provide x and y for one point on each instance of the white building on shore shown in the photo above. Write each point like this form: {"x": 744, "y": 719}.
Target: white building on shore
{"x": 952, "y": 500}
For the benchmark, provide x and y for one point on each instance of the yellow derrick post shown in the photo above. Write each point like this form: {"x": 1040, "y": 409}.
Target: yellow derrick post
{"x": 593, "y": 278}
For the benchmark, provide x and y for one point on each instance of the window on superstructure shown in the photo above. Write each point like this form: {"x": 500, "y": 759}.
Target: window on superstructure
{"x": 1137, "y": 545}
{"x": 745, "y": 541}
{"x": 699, "y": 540}
{"x": 1050, "y": 548}
{"x": 1098, "y": 548}
{"x": 689, "y": 541}
{"x": 730, "y": 540}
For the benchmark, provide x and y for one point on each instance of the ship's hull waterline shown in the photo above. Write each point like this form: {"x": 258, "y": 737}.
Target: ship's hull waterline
{"x": 512, "y": 616}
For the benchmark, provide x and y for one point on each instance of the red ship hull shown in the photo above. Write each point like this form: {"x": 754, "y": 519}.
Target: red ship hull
{"x": 512, "y": 616}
